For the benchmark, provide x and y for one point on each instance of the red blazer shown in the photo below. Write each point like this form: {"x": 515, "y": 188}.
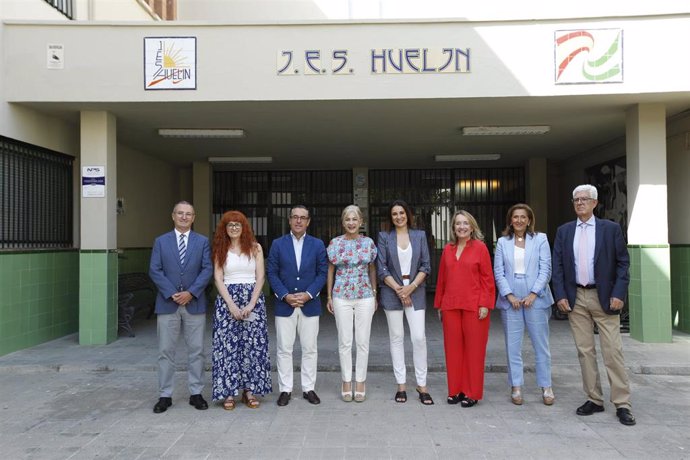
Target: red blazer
{"x": 468, "y": 283}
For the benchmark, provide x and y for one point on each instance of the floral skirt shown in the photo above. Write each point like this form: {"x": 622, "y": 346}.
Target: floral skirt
{"x": 240, "y": 348}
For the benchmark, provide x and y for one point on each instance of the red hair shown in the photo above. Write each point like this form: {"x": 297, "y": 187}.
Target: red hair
{"x": 221, "y": 240}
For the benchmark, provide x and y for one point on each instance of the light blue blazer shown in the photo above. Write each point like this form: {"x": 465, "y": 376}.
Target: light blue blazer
{"x": 537, "y": 269}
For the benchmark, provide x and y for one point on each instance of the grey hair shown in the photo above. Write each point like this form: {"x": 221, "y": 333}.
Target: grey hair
{"x": 182, "y": 202}
{"x": 590, "y": 189}
{"x": 352, "y": 208}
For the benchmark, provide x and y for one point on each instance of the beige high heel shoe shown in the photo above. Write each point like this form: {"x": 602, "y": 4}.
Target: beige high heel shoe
{"x": 360, "y": 396}
{"x": 346, "y": 395}
{"x": 547, "y": 396}
{"x": 516, "y": 396}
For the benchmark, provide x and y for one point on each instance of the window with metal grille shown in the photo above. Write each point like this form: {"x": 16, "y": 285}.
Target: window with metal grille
{"x": 266, "y": 198}
{"x": 35, "y": 197}
{"x": 435, "y": 194}
{"x": 65, "y": 7}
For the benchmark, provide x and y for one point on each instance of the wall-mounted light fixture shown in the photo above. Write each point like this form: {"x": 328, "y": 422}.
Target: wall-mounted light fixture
{"x": 240, "y": 159}
{"x": 486, "y": 157}
{"x": 193, "y": 133}
{"x": 504, "y": 130}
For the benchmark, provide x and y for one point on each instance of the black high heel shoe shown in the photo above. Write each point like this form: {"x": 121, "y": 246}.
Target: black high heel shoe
{"x": 454, "y": 399}
{"x": 468, "y": 402}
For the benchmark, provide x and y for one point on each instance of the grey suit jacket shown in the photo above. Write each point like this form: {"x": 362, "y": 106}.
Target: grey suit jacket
{"x": 387, "y": 264}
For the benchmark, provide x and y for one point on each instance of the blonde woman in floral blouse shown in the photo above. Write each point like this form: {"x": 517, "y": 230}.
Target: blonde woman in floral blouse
{"x": 352, "y": 298}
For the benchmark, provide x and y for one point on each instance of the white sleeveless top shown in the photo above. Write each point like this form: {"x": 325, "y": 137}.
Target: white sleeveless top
{"x": 239, "y": 269}
{"x": 519, "y": 255}
{"x": 405, "y": 258}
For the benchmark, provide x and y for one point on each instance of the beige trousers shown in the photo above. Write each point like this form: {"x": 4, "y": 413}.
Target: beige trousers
{"x": 587, "y": 312}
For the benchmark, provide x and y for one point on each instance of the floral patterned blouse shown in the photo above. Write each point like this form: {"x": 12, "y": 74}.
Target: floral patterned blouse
{"x": 351, "y": 259}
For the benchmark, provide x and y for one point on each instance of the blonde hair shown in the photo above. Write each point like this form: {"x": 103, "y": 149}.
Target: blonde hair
{"x": 476, "y": 233}
{"x": 353, "y": 208}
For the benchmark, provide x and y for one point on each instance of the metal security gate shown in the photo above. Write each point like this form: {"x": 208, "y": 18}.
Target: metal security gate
{"x": 435, "y": 194}
{"x": 266, "y": 197}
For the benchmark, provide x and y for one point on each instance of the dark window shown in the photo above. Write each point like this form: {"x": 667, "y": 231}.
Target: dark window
{"x": 35, "y": 196}
{"x": 63, "y": 6}
{"x": 435, "y": 194}
{"x": 266, "y": 197}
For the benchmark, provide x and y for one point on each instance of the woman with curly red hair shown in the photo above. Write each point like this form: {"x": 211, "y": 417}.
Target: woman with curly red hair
{"x": 240, "y": 333}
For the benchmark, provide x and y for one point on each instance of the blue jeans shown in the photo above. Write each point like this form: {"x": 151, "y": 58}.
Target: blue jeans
{"x": 537, "y": 322}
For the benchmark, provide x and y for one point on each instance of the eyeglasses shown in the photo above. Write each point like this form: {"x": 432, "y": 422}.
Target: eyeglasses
{"x": 184, "y": 214}
{"x": 299, "y": 218}
{"x": 234, "y": 225}
{"x": 582, "y": 200}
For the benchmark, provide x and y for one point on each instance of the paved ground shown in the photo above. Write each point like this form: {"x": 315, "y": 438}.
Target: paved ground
{"x": 62, "y": 400}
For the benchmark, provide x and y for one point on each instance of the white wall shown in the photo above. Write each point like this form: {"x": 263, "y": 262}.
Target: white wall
{"x": 113, "y": 10}
{"x": 239, "y": 62}
{"x": 318, "y": 10}
{"x": 29, "y": 9}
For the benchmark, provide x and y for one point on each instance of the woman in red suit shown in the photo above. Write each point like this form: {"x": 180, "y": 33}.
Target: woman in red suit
{"x": 465, "y": 293}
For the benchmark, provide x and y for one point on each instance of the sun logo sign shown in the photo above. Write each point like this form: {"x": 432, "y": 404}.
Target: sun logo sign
{"x": 588, "y": 56}
{"x": 169, "y": 63}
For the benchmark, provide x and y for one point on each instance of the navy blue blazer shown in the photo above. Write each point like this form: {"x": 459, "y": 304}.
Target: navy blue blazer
{"x": 168, "y": 274}
{"x": 388, "y": 264}
{"x": 284, "y": 278}
{"x": 611, "y": 263}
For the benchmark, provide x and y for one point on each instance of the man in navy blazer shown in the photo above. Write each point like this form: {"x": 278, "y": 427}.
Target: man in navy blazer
{"x": 590, "y": 282}
{"x": 297, "y": 268}
{"x": 181, "y": 269}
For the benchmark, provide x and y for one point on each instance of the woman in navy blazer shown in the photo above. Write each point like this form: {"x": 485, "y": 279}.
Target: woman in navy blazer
{"x": 402, "y": 266}
{"x": 522, "y": 267}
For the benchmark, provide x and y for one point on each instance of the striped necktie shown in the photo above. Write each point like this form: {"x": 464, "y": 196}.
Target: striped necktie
{"x": 183, "y": 249}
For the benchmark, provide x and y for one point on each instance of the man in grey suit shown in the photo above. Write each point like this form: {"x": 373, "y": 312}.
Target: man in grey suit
{"x": 181, "y": 269}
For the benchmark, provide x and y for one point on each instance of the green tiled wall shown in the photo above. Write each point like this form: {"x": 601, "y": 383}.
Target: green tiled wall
{"x": 135, "y": 260}
{"x": 97, "y": 297}
{"x": 40, "y": 291}
{"x": 680, "y": 286}
{"x": 650, "y": 293}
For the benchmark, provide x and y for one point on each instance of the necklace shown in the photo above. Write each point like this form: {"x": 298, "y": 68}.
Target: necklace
{"x": 519, "y": 238}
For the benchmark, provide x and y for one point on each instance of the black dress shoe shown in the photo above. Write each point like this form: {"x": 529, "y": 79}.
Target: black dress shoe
{"x": 284, "y": 398}
{"x": 162, "y": 405}
{"x": 589, "y": 408}
{"x": 625, "y": 416}
{"x": 311, "y": 396}
{"x": 198, "y": 402}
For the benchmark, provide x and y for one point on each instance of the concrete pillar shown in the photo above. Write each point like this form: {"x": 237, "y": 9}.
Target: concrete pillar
{"x": 202, "y": 199}
{"x": 537, "y": 191}
{"x": 98, "y": 233}
{"x": 650, "y": 273}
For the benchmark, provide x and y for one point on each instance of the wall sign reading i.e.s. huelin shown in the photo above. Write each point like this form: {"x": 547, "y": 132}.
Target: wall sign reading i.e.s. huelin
{"x": 381, "y": 61}
{"x": 169, "y": 63}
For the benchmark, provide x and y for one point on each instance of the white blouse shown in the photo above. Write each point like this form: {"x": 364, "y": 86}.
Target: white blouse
{"x": 239, "y": 269}
{"x": 405, "y": 258}
{"x": 519, "y": 256}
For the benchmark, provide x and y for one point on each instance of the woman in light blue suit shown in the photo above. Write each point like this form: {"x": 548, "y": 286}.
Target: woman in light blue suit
{"x": 522, "y": 267}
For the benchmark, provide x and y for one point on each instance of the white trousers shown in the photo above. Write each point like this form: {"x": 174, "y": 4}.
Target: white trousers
{"x": 359, "y": 312}
{"x": 396, "y": 333}
{"x": 287, "y": 327}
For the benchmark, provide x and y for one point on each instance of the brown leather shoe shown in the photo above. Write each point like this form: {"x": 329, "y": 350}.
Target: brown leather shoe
{"x": 516, "y": 396}
{"x": 284, "y": 398}
{"x": 311, "y": 396}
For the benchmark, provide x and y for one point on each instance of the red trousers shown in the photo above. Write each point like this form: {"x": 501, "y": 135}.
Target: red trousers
{"x": 464, "y": 340}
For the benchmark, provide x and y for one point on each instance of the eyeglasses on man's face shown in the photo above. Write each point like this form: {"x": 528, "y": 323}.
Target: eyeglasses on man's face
{"x": 234, "y": 225}
{"x": 299, "y": 218}
{"x": 582, "y": 200}
{"x": 184, "y": 214}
